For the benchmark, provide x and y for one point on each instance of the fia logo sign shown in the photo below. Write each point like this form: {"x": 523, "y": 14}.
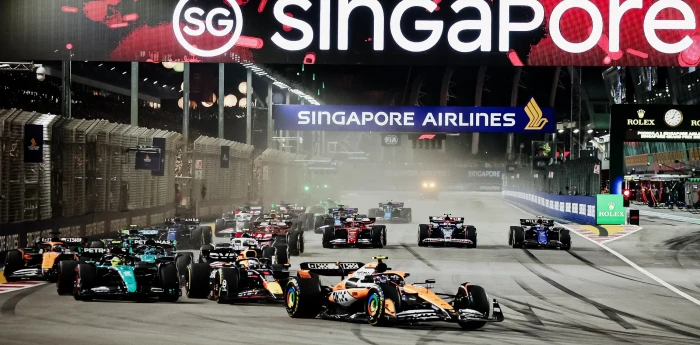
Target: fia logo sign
{"x": 391, "y": 140}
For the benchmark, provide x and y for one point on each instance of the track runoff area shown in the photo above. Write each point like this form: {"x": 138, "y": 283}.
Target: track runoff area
{"x": 585, "y": 295}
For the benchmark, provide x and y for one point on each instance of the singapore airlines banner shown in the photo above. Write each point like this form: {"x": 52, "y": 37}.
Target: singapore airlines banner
{"x": 528, "y": 119}
{"x": 452, "y": 32}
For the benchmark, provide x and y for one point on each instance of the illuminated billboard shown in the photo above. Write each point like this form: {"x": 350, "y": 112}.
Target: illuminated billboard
{"x": 425, "y": 119}
{"x": 458, "y": 32}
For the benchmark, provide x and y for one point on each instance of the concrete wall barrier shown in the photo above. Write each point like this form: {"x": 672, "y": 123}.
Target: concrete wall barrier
{"x": 575, "y": 208}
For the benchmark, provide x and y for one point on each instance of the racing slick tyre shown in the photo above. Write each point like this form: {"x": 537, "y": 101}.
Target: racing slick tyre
{"x": 282, "y": 254}
{"x": 219, "y": 224}
{"x": 293, "y": 243}
{"x": 565, "y": 239}
{"x": 85, "y": 279}
{"x": 407, "y": 214}
{"x": 374, "y": 212}
{"x": 375, "y": 306}
{"x": 423, "y": 233}
{"x": 517, "y": 236}
{"x": 471, "y": 235}
{"x": 328, "y": 236}
{"x": 301, "y": 243}
{"x": 476, "y": 299}
{"x": 378, "y": 236}
{"x": 66, "y": 277}
{"x": 182, "y": 260}
{"x": 206, "y": 234}
{"x": 225, "y": 285}
{"x": 169, "y": 282}
{"x": 96, "y": 244}
{"x": 13, "y": 262}
{"x": 303, "y": 297}
{"x": 318, "y": 222}
{"x": 197, "y": 280}
{"x": 269, "y": 253}
{"x": 195, "y": 238}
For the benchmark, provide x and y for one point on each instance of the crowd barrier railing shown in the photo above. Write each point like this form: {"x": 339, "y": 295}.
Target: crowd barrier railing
{"x": 575, "y": 208}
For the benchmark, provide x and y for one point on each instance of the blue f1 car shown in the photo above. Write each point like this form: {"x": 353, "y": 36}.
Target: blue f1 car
{"x": 539, "y": 232}
{"x": 391, "y": 212}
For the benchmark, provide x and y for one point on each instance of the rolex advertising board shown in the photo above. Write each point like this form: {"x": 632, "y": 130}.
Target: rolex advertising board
{"x": 610, "y": 210}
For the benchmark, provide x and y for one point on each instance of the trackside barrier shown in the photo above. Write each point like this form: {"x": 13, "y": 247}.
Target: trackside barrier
{"x": 575, "y": 208}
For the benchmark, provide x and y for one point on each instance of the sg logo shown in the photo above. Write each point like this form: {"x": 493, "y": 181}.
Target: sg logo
{"x": 197, "y": 22}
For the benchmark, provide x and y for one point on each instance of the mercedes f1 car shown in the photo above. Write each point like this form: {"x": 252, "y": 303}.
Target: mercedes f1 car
{"x": 187, "y": 233}
{"x": 539, "y": 232}
{"x": 124, "y": 276}
{"x": 376, "y": 294}
{"x": 229, "y": 274}
{"x": 42, "y": 261}
{"x": 446, "y": 231}
{"x": 347, "y": 231}
{"x": 429, "y": 190}
{"x": 391, "y": 212}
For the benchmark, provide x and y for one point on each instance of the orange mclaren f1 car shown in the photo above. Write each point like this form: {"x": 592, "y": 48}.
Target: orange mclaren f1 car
{"x": 376, "y": 294}
{"x": 42, "y": 261}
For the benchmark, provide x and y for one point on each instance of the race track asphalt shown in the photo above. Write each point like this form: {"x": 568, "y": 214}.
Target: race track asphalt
{"x": 585, "y": 296}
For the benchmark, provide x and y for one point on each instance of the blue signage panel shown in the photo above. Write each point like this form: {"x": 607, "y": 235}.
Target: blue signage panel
{"x": 528, "y": 119}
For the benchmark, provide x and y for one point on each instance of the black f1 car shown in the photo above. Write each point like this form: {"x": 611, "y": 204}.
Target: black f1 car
{"x": 539, "y": 232}
{"x": 391, "y": 212}
{"x": 445, "y": 231}
{"x": 227, "y": 275}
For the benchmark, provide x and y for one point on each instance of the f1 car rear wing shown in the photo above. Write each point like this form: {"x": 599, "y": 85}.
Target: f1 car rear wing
{"x": 532, "y": 222}
{"x": 335, "y": 269}
{"x": 393, "y": 203}
{"x": 162, "y": 243}
{"x": 443, "y": 219}
{"x": 93, "y": 252}
{"x": 221, "y": 254}
{"x": 255, "y": 210}
{"x": 66, "y": 240}
{"x": 186, "y": 221}
{"x": 346, "y": 210}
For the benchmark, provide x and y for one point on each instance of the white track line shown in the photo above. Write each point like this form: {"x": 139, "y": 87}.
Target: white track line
{"x": 629, "y": 262}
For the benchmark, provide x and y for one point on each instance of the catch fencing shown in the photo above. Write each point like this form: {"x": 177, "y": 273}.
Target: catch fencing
{"x": 574, "y": 177}
{"x": 87, "y": 183}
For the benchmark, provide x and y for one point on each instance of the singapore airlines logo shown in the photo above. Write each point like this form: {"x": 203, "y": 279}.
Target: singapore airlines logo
{"x": 534, "y": 112}
{"x": 147, "y": 159}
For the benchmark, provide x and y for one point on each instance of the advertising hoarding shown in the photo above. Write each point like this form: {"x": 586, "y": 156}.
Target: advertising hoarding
{"x": 528, "y": 119}
{"x": 610, "y": 210}
{"x": 452, "y": 32}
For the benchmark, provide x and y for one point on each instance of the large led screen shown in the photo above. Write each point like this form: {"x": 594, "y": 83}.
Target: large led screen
{"x": 459, "y": 32}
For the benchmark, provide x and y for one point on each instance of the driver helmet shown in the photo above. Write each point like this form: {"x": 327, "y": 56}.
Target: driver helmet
{"x": 540, "y": 221}
{"x": 116, "y": 261}
{"x": 57, "y": 248}
{"x": 253, "y": 264}
{"x": 150, "y": 251}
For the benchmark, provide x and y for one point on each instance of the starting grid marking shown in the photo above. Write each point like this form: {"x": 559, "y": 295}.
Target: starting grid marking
{"x": 6, "y": 287}
{"x": 595, "y": 236}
